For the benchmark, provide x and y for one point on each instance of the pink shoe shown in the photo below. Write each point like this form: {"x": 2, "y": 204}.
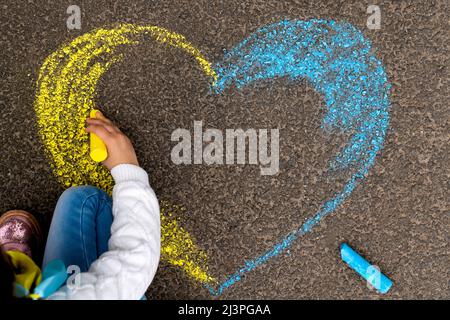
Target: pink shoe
{"x": 20, "y": 231}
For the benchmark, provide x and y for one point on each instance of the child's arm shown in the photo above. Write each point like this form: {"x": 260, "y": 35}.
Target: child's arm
{"x": 127, "y": 269}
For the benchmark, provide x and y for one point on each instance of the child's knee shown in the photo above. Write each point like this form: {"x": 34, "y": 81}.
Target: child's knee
{"x": 80, "y": 192}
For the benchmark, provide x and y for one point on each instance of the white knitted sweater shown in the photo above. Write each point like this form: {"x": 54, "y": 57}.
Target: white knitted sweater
{"x": 126, "y": 270}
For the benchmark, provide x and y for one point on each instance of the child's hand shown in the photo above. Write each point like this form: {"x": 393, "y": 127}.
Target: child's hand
{"x": 120, "y": 149}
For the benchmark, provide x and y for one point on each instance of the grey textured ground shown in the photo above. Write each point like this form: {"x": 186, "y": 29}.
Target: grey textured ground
{"x": 399, "y": 218}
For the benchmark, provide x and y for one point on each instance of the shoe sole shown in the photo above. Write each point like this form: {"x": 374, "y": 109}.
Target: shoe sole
{"x": 29, "y": 217}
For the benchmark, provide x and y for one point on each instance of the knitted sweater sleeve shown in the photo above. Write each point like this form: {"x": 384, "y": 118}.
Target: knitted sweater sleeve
{"x": 126, "y": 270}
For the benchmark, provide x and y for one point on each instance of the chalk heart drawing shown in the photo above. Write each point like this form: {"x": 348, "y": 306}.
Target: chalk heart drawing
{"x": 334, "y": 57}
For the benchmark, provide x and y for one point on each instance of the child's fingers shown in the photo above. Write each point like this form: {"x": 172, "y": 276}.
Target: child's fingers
{"x": 99, "y": 115}
{"x": 100, "y": 131}
{"x": 100, "y": 122}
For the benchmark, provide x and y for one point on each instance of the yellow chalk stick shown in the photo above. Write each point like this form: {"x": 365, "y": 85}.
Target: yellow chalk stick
{"x": 98, "y": 150}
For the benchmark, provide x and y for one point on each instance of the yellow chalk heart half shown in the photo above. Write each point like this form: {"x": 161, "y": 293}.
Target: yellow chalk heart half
{"x": 66, "y": 89}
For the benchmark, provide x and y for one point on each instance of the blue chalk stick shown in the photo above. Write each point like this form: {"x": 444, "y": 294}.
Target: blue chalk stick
{"x": 369, "y": 272}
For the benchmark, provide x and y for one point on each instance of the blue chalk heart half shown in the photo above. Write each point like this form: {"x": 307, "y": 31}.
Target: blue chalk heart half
{"x": 337, "y": 61}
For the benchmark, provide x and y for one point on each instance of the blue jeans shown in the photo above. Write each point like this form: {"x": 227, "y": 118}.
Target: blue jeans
{"x": 80, "y": 228}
